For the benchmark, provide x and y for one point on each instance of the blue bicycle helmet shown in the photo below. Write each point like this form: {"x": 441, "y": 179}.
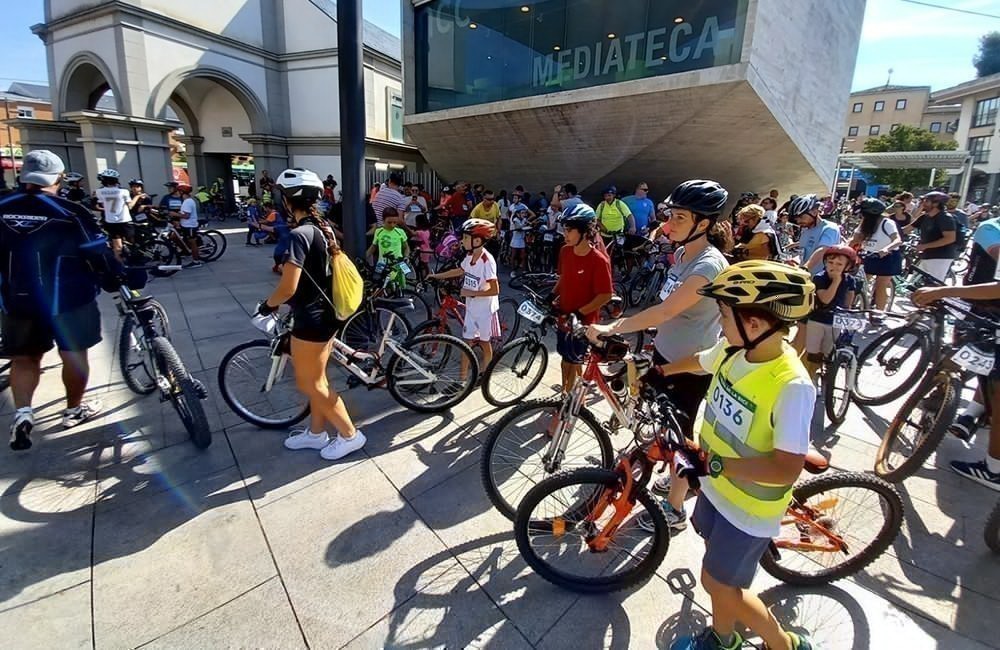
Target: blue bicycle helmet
{"x": 580, "y": 216}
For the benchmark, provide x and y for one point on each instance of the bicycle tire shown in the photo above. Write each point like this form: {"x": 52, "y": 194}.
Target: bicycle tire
{"x": 510, "y": 322}
{"x": 365, "y": 328}
{"x": 836, "y": 400}
{"x": 871, "y": 352}
{"x": 892, "y": 512}
{"x": 504, "y": 503}
{"x": 227, "y": 386}
{"x": 221, "y": 244}
{"x": 525, "y": 527}
{"x": 941, "y": 394}
{"x": 991, "y": 534}
{"x": 430, "y": 326}
{"x": 129, "y": 324}
{"x": 422, "y": 309}
{"x": 517, "y": 357}
{"x": 184, "y": 396}
{"x": 207, "y": 247}
{"x": 160, "y": 253}
{"x": 396, "y": 372}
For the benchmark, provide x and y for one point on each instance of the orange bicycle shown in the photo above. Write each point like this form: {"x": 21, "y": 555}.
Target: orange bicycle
{"x": 581, "y": 529}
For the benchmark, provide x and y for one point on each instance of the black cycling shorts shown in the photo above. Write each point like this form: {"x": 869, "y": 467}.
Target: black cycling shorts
{"x": 687, "y": 390}
{"x": 72, "y": 331}
{"x": 120, "y": 231}
{"x": 188, "y": 233}
{"x": 316, "y": 324}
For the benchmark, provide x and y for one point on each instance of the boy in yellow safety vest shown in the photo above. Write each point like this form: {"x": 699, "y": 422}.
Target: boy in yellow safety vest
{"x": 754, "y": 437}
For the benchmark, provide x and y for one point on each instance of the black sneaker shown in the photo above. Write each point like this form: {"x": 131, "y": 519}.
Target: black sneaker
{"x": 964, "y": 427}
{"x": 20, "y": 430}
{"x": 676, "y": 519}
{"x": 978, "y": 472}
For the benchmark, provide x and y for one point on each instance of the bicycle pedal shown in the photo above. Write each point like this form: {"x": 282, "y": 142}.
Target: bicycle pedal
{"x": 199, "y": 388}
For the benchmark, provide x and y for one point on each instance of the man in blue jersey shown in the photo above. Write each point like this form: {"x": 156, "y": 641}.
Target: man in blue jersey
{"x": 642, "y": 209}
{"x": 52, "y": 261}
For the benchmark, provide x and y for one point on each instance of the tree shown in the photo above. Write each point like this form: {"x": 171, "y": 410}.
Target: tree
{"x": 907, "y": 138}
{"x": 987, "y": 60}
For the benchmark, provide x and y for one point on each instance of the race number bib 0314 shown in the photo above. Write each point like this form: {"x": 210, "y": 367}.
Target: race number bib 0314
{"x": 733, "y": 412}
{"x": 668, "y": 287}
{"x": 974, "y": 360}
{"x": 471, "y": 282}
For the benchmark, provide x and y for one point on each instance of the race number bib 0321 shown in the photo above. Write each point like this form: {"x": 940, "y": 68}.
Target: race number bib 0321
{"x": 668, "y": 287}
{"x": 974, "y": 360}
{"x": 471, "y": 282}
{"x": 733, "y": 412}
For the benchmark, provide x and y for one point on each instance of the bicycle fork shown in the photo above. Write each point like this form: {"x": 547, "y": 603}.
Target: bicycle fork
{"x": 555, "y": 453}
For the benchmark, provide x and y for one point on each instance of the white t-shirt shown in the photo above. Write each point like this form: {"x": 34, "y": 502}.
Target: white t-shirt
{"x": 114, "y": 200}
{"x": 413, "y": 209}
{"x": 517, "y": 234}
{"x": 476, "y": 278}
{"x": 884, "y": 233}
{"x": 189, "y": 213}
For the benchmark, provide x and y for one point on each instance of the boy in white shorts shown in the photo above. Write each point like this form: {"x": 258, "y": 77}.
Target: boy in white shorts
{"x": 480, "y": 288}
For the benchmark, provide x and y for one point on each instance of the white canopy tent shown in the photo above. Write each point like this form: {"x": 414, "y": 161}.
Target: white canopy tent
{"x": 952, "y": 161}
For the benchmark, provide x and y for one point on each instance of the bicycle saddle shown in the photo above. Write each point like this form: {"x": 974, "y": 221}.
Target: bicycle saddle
{"x": 394, "y": 303}
{"x": 815, "y": 462}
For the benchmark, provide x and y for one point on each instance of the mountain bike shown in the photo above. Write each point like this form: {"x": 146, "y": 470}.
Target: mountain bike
{"x": 541, "y": 437}
{"x": 644, "y": 289}
{"x": 840, "y": 367}
{"x": 450, "y": 315}
{"x": 421, "y": 373}
{"x": 581, "y": 530}
{"x": 388, "y": 279}
{"x": 153, "y": 363}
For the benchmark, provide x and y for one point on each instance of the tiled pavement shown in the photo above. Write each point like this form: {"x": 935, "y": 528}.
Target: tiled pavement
{"x": 120, "y": 534}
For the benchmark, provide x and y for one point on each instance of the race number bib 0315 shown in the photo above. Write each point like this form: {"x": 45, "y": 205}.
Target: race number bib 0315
{"x": 471, "y": 282}
{"x": 974, "y": 360}
{"x": 733, "y": 411}
{"x": 668, "y": 287}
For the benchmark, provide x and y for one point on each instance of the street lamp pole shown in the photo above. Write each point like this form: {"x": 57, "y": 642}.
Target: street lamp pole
{"x": 350, "y": 44}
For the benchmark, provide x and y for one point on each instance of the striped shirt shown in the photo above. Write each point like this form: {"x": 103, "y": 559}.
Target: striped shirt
{"x": 388, "y": 197}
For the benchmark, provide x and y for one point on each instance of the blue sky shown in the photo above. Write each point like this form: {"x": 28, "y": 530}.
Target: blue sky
{"x": 923, "y": 45}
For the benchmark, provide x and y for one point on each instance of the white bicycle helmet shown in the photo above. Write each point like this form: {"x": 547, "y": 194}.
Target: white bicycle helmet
{"x": 300, "y": 183}
{"x": 73, "y": 177}
{"x": 108, "y": 173}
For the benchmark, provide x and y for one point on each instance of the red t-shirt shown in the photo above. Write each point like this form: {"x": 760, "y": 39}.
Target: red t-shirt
{"x": 581, "y": 279}
{"x": 455, "y": 205}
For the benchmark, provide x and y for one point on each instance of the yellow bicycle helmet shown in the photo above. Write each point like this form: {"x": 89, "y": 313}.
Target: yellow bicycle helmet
{"x": 785, "y": 291}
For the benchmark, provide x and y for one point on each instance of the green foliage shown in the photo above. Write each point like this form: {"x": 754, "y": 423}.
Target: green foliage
{"x": 987, "y": 60}
{"x": 908, "y": 138}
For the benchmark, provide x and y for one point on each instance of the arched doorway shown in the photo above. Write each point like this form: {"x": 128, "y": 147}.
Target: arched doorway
{"x": 88, "y": 85}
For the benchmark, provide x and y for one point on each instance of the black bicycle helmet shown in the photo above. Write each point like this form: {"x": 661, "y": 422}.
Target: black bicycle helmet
{"x": 703, "y": 197}
{"x": 802, "y": 205}
{"x": 135, "y": 181}
{"x": 872, "y": 206}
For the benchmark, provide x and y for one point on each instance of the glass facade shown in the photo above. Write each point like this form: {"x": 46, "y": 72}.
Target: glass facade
{"x": 477, "y": 51}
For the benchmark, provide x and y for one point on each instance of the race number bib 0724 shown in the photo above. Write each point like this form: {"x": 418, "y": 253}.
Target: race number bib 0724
{"x": 732, "y": 411}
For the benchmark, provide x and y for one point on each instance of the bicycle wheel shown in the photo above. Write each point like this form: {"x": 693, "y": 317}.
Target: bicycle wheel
{"x": 133, "y": 360}
{"x": 421, "y": 308}
{"x": 207, "y": 247}
{"x": 836, "y": 386}
{"x": 891, "y": 365}
{"x": 636, "y": 294}
{"x": 185, "y": 395}
{"x": 220, "y": 244}
{"x": 365, "y": 329}
{"x": 510, "y": 323}
{"x": 515, "y": 371}
{"x": 561, "y": 515}
{"x": 243, "y": 377}
{"x": 918, "y": 428}
{"x": 992, "y": 531}
{"x": 514, "y": 454}
{"x": 159, "y": 253}
{"x": 835, "y": 526}
{"x": 441, "y": 356}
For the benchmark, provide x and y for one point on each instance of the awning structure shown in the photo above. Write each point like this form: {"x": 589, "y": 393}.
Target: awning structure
{"x": 933, "y": 160}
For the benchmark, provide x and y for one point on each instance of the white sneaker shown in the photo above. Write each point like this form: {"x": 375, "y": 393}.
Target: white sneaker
{"x": 86, "y": 411}
{"x": 20, "y": 429}
{"x": 340, "y": 447}
{"x": 306, "y": 439}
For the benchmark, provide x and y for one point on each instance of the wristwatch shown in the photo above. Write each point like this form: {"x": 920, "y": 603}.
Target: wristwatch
{"x": 715, "y": 466}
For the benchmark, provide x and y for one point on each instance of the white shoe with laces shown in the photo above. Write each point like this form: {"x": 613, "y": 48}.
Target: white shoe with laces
{"x": 340, "y": 446}
{"x": 86, "y": 411}
{"x": 306, "y": 439}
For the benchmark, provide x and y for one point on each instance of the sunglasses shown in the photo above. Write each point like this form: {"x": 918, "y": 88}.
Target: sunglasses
{"x": 644, "y": 189}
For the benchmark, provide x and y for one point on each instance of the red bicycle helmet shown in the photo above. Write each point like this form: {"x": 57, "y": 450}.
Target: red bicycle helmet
{"x": 846, "y": 251}
{"x": 479, "y": 228}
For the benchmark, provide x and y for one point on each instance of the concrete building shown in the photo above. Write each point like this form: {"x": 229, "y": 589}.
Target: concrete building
{"x": 244, "y": 77}
{"x": 876, "y": 111}
{"x": 978, "y": 132}
{"x": 749, "y": 92}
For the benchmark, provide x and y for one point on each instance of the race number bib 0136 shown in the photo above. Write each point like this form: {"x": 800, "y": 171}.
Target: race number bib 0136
{"x": 974, "y": 360}
{"x": 668, "y": 287}
{"x": 733, "y": 412}
{"x": 471, "y": 282}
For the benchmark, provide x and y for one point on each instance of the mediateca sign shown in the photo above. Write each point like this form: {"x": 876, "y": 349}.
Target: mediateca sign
{"x": 662, "y": 50}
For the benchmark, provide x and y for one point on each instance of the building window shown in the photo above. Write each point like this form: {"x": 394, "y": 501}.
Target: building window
{"x": 26, "y": 111}
{"x": 900, "y": 104}
{"x": 858, "y": 107}
{"x": 986, "y": 112}
{"x": 879, "y": 106}
{"x": 873, "y": 129}
{"x": 935, "y": 127}
{"x": 851, "y": 131}
{"x": 979, "y": 148}
{"x": 893, "y": 127}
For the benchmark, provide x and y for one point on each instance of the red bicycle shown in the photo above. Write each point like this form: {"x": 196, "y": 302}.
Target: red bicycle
{"x": 450, "y": 315}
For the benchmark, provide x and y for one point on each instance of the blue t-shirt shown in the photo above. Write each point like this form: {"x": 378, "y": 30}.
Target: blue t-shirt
{"x": 823, "y": 313}
{"x": 642, "y": 210}
{"x": 824, "y": 233}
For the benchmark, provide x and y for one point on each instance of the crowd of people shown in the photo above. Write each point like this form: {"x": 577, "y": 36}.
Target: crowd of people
{"x": 734, "y": 291}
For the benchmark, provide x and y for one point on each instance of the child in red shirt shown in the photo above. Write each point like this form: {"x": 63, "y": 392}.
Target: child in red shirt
{"x": 584, "y": 285}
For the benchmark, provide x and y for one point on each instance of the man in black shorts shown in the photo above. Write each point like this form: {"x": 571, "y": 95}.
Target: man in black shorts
{"x": 51, "y": 252}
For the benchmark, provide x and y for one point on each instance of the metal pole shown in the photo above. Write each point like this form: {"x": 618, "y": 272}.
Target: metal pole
{"x": 966, "y": 181}
{"x": 850, "y": 183}
{"x": 352, "y": 122}
{"x": 836, "y": 177}
{"x": 930, "y": 183}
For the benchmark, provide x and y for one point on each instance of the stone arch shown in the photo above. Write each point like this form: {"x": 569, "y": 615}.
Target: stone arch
{"x": 247, "y": 98}
{"x": 85, "y": 79}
